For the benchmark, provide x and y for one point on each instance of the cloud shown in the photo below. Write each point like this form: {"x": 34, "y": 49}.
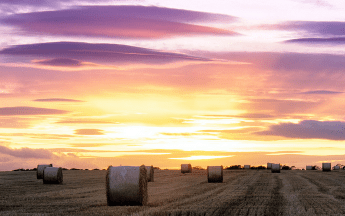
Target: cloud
{"x": 60, "y": 62}
{"x": 120, "y": 22}
{"x": 86, "y": 121}
{"x": 330, "y": 28}
{"x": 26, "y": 152}
{"x": 308, "y": 129}
{"x": 321, "y": 92}
{"x": 5, "y": 111}
{"x": 89, "y": 132}
{"x": 335, "y": 40}
{"x": 57, "y": 100}
{"x": 71, "y": 54}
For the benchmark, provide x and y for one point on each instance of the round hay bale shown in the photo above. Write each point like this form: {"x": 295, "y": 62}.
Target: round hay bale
{"x": 336, "y": 168}
{"x": 308, "y": 167}
{"x": 269, "y": 165}
{"x": 186, "y": 168}
{"x": 275, "y": 168}
{"x": 52, "y": 175}
{"x": 246, "y": 166}
{"x": 40, "y": 169}
{"x": 150, "y": 172}
{"x": 126, "y": 185}
{"x": 214, "y": 174}
{"x": 326, "y": 167}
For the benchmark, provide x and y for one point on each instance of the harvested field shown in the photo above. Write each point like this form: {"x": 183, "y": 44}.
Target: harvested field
{"x": 243, "y": 192}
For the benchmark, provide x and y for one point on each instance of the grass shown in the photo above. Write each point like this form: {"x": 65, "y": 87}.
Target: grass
{"x": 250, "y": 192}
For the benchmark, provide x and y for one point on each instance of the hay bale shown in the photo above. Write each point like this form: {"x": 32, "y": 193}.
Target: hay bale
{"x": 186, "y": 168}
{"x": 40, "y": 169}
{"x": 214, "y": 174}
{"x": 150, "y": 172}
{"x": 246, "y": 166}
{"x": 275, "y": 168}
{"x": 52, "y": 175}
{"x": 326, "y": 167}
{"x": 308, "y": 167}
{"x": 269, "y": 165}
{"x": 336, "y": 168}
{"x": 126, "y": 185}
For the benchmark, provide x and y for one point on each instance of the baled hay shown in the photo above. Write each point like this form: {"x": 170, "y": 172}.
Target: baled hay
{"x": 40, "y": 169}
{"x": 126, "y": 185}
{"x": 336, "y": 167}
{"x": 246, "y": 166}
{"x": 150, "y": 173}
{"x": 326, "y": 166}
{"x": 186, "y": 168}
{"x": 52, "y": 175}
{"x": 275, "y": 168}
{"x": 269, "y": 165}
{"x": 308, "y": 167}
{"x": 214, "y": 174}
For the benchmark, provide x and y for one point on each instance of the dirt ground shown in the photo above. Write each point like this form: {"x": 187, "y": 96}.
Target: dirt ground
{"x": 243, "y": 192}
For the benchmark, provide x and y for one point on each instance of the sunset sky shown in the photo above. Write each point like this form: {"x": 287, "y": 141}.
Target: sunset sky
{"x": 85, "y": 85}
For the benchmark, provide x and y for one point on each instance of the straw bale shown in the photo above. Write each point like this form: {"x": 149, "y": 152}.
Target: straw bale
{"x": 309, "y": 167}
{"x": 40, "y": 169}
{"x": 275, "y": 168}
{"x": 269, "y": 165}
{"x": 246, "y": 166}
{"x": 150, "y": 173}
{"x": 214, "y": 174}
{"x": 326, "y": 167}
{"x": 52, "y": 175}
{"x": 186, "y": 168}
{"x": 126, "y": 185}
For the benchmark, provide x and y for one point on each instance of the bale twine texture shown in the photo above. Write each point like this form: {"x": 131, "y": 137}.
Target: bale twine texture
{"x": 246, "y": 166}
{"x": 308, "y": 167}
{"x": 214, "y": 174}
{"x": 326, "y": 167}
{"x": 275, "y": 168}
{"x": 40, "y": 169}
{"x": 150, "y": 173}
{"x": 186, "y": 168}
{"x": 269, "y": 165}
{"x": 52, "y": 175}
{"x": 126, "y": 185}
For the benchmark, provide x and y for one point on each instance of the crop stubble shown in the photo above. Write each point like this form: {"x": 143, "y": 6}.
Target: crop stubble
{"x": 243, "y": 192}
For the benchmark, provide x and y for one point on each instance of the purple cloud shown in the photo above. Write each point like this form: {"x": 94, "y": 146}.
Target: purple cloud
{"x": 119, "y": 21}
{"x": 308, "y": 129}
{"x": 65, "y": 62}
{"x": 321, "y": 92}
{"x": 57, "y": 100}
{"x": 67, "y": 53}
{"x": 89, "y": 132}
{"x": 26, "y": 152}
{"x": 315, "y": 28}
{"x": 5, "y": 111}
{"x": 335, "y": 40}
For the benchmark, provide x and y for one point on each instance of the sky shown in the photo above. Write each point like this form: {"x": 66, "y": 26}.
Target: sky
{"x": 163, "y": 83}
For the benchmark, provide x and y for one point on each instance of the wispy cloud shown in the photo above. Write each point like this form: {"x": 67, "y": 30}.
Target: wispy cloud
{"x": 57, "y": 100}
{"x": 119, "y": 21}
{"x": 308, "y": 129}
{"x": 335, "y": 40}
{"x": 89, "y": 132}
{"x": 6, "y": 111}
{"x": 321, "y": 92}
{"x": 26, "y": 152}
{"x": 74, "y": 54}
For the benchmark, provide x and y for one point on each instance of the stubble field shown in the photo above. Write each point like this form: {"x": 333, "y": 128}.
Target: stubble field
{"x": 243, "y": 192}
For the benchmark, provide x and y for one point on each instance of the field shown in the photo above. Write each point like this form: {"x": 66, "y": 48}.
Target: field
{"x": 243, "y": 192}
